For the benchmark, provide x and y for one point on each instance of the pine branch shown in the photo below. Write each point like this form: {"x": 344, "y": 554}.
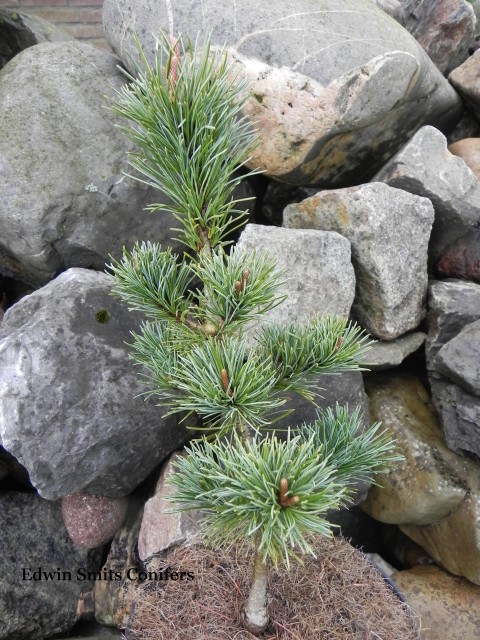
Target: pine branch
{"x": 241, "y": 287}
{"x": 300, "y": 353}
{"x": 190, "y": 137}
{"x": 237, "y": 485}
{"x": 225, "y": 383}
{"x": 154, "y": 282}
{"x": 355, "y": 452}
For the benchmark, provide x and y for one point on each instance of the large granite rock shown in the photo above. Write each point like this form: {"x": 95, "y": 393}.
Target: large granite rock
{"x": 389, "y": 230}
{"x": 34, "y": 543}
{"x": 444, "y": 28}
{"x": 18, "y": 31}
{"x": 448, "y": 606}
{"x": 65, "y": 199}
{"x": 319, "y": 277}
{"x": 317, "y": 74}
{"x": 435, "y": 495}
{"x": 69, "y": 405}
{"x": 425, "y": 167}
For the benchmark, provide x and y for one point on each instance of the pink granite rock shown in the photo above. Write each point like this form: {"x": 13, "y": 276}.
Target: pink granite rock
{"x": 469, "y": 150}
{"x": 92, "y": 521}
{"x": 444, "y": 28}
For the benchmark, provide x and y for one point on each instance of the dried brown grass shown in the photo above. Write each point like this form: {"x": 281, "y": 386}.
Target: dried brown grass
{"x": 338, "y": 596}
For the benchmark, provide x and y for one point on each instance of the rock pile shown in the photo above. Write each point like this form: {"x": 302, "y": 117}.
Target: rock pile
{"x": 363, "y": 203}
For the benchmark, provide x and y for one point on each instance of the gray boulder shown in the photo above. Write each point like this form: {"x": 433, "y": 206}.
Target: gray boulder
{"x": 459, "y": 414}
{"x": 69, "y": 405}
{"x": 319, "y": 277}
{"x": 18, "y": 31}
{"x": 344, "y": 388}
{"x": 452, "y": 305}
{"x": 65, "y": 199}
{"x": 444, "y": 28}
{"x": 34, "y": 542}
{"x": 459, "y": 359}
{"x": 317, "y": 78}
{"x": 389, "y": 230}
{"x": 425, "y": 167}
{"x": 385, "y": 355}
{"x": 392, "y": 7}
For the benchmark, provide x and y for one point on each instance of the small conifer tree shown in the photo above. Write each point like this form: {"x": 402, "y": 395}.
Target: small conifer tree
{"x": 184, "y": 115}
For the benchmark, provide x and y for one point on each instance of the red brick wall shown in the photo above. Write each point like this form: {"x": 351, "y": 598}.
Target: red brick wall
{"x": 82, "y": 18}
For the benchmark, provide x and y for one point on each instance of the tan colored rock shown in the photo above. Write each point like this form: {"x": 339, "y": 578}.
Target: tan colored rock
{"x": 466, "y": 80}
{"x": 448, "y": 606}
{"x": 431, "y": 482}
{"x": 454, "y": 542}
{"x": 425, "y": 487}
{"x": 469, "y": 150}
{"x": 159, "y": 530}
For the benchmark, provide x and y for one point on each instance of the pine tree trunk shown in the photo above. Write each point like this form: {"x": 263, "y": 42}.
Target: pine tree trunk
{"x": 255, "y": 615}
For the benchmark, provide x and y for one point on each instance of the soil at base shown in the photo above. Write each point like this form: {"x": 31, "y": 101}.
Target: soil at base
{"x": 337, "y": 596}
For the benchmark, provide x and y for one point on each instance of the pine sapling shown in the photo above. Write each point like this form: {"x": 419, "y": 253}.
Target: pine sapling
{"x": 256, "y": 489}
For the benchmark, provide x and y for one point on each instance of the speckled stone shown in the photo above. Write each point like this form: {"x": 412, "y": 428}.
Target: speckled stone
{"x": 444, "y": 28}
{"x": 92, "y": 521}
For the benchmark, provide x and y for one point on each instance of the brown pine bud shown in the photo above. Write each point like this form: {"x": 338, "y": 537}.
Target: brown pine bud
{"x": 238, "y": 287}
{"x": 338, "y": 344}
{"x": 224, "y": 379}
{"x": 245, "y": 276}
{"x": 282, "y": 498}
{"x": 172, "y": 76}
